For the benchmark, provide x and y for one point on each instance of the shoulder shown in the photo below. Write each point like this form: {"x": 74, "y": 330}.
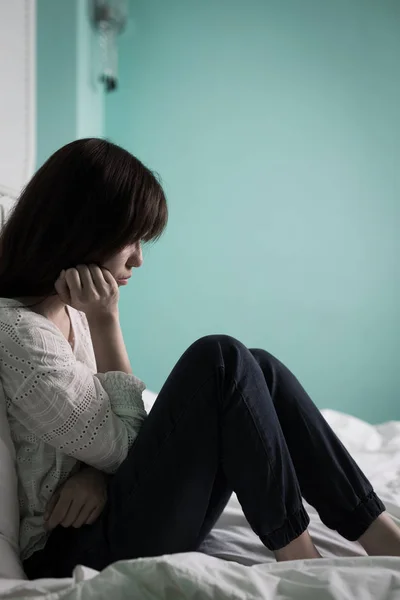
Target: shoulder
{"x": 22, "y": 331}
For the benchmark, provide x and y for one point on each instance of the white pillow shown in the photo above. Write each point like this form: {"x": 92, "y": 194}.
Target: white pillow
{"x": 148, "y": 399}
{"x": 10, "y": 565}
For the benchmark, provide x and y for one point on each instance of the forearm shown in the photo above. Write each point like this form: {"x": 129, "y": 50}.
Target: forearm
{"x": 108, "y": 343}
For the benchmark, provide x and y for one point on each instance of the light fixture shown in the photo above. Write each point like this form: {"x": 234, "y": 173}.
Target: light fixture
{"x": 110, "y": 18}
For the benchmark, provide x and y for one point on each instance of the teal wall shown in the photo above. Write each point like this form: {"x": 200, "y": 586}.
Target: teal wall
{"x": 56, "y": 76}
{"x": 70, "y": 100}
{"x": 90, "y": 100}
{"x": 275, "y": 126}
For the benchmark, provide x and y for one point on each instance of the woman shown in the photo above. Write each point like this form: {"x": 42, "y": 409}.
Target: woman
{"x": 99, "y": 480}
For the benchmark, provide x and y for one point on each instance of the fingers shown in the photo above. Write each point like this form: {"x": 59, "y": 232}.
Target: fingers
{"x": 80, "y": 284}
{"x": 85, "y": 277}
{"x": 109, "y": 278}
{"x": 90, "y": 289}
{"x": 67, "y": 512}
{"x": 50, "y": 505}
{"x": 79, "y": 501}
{"x": 98, "y": 277}
{"x": 85, "y": 514}
{"x": 62, "y": 288}
{"x": 75, "y": 508}
{"x": 73, "y": 280}
{"x": 60, "y": 511}
{"x": 95, "y": 514}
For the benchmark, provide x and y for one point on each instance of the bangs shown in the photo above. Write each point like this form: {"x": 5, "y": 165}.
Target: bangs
{"x": 147, "y": 213}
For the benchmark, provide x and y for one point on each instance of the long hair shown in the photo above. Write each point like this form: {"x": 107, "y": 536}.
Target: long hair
{"x": 89, "y": 199}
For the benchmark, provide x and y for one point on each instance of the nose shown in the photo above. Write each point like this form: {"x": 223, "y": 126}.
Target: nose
{"x": 136, "y": 257}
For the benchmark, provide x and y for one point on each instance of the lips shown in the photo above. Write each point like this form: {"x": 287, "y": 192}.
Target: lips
{"x": 123, "y": 280}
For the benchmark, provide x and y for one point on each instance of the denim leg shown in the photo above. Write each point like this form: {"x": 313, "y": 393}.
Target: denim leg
{"x": 213, "y": 429}
{"x": 221, "y": 418}
{"x": 329, "y": 478}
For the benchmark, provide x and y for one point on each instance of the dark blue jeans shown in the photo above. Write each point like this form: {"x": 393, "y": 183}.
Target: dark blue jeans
{"x": 227, "y": 418}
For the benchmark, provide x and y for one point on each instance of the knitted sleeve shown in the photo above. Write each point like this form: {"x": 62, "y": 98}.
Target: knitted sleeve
{"x": 91, "y": 417}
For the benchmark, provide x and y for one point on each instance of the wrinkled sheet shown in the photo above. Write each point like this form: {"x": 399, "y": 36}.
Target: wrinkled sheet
{"x": 196, "y": 576}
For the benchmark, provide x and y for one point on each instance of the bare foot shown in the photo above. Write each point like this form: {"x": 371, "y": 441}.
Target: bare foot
{"x": 301, "y": 547}
{"x": 382, "y": 537}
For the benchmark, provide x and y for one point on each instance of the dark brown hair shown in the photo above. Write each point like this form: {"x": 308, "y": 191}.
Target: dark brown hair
{"x": 89, "y": 199}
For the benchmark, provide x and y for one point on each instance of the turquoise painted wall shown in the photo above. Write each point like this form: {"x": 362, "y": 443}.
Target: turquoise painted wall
{"x": 276, "y": 128}
{"x": 70, "y": 100}
{"x": 90, "y": 100}
{"x": 56, "y": 75}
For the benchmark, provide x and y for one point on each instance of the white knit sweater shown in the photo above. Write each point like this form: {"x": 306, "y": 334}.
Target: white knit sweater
{"x": 60, "y": 411}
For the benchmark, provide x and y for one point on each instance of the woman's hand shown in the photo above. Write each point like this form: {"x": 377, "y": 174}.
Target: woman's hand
{"x": 79, "y": 500}
{"x": 90, "y": 289}
{"x": 94, "y": 291}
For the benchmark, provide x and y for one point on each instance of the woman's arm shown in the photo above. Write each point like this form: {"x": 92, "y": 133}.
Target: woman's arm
{"x": 94, "y": 291}
{"x": 93, "y": 418}
{"x": 108, "y": 344}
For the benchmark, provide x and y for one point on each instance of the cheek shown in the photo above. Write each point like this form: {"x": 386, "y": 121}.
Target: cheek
{"x": 110, "y": 264}
{"x": 114, "y": 264}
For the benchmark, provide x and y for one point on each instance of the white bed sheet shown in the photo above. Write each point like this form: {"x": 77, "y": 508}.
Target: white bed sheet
{"x": 345, "y": 572}
{"x": 377, "y": 451}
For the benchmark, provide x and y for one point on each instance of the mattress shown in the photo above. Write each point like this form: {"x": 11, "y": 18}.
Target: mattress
{"x": 232, "y": 563}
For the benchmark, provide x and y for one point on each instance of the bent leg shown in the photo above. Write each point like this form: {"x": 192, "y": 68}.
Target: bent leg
{"x": 329, "y": 478}
{"x": 213, "y": 428}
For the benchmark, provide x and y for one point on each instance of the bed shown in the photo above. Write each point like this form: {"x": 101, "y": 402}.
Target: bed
{"x": 233, "y": 564}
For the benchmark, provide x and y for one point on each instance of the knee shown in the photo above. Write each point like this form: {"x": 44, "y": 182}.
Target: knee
{"x": 224, "y": 354}
{"x": 217, "y": 346}
{"x": 207, "y": 345}
{"x": 217, "y": 338}
{"x": 261, "y": 354}
{"x": 265, "y": 359}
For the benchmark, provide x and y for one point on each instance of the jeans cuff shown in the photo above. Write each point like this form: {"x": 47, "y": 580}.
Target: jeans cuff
{"x": 358, "y": 521}
{"x": 293, "y": 526}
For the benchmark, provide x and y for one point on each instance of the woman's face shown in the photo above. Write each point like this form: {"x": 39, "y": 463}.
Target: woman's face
{"x": 121, "y": 263}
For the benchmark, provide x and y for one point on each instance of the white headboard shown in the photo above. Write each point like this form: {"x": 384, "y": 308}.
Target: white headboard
{"x": 17, "y": 98}
{"x": 7, "y": 199}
